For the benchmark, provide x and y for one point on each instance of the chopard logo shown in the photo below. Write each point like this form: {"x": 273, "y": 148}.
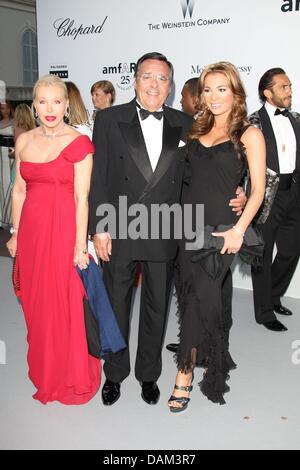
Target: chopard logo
{"x": 290, "y": 5}
{"x": 65, "y": 28}
{"x": 187, "y": 5}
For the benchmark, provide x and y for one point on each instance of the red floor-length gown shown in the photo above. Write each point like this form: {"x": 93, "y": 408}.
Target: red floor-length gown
{"x": 51, "y": 291}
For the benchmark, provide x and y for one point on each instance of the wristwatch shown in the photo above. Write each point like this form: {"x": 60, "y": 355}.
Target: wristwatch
{"x": 13, "y": 230}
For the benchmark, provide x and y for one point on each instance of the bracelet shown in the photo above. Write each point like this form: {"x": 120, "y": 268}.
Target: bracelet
{"x": 238, "y": 230}
{"x": 13, "y": 230}
{"x": 84, "y": 251}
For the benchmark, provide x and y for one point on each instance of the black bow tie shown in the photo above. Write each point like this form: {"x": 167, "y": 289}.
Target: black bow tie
{"x": 284, "y": 113}
{"x": 144, "y": 113}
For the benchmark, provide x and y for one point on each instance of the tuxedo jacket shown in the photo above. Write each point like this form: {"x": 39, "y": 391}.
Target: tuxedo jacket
{"x": 261, "y": 120}
{"x": 122, "y": 168}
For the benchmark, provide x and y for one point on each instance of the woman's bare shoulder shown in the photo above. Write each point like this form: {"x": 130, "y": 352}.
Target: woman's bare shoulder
{"x": 252, "y": 135}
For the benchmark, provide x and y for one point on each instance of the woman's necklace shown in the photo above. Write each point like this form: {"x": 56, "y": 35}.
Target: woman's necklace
{"x": 54, "y": 134}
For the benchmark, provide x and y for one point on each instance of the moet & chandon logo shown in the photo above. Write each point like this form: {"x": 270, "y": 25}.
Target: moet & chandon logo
{"x": 187, "y": 6}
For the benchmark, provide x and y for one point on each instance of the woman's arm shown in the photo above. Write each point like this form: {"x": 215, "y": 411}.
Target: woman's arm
{"x": 18, "y": 198}
{"x": 83, "y": 171}
{"x": 254, "y": 143}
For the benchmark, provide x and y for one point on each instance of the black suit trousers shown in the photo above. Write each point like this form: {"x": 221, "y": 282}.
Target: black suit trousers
{"x": 282, "y": 229}
{"x": 119, "y": 278}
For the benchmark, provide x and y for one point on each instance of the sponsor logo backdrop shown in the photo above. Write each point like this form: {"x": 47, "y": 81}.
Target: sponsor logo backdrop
{"x": 99, "y": 39}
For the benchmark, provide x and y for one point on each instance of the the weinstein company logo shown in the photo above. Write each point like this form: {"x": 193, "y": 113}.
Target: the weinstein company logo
{"x": 189, "y": 20}
{"x": 187, "y": 6}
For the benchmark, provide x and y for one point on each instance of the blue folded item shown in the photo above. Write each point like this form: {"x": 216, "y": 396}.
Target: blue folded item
{"x": 111, "y": 339}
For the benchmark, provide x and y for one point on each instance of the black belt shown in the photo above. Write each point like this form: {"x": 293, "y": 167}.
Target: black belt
{"x": 285, "y": 182}
{"x": 6, "y": 141}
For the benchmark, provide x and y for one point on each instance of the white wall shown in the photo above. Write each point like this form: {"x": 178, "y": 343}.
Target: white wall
{"x": 254, "y": 35}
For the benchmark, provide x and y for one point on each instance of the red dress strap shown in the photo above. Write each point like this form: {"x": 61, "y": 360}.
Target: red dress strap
{"x": 78, "y": 149}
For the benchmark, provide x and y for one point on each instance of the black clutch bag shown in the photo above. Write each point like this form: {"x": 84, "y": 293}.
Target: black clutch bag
{"x": 210, "y": 258}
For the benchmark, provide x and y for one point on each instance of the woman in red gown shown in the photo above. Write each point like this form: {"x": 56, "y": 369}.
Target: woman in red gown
{"x": 50, "y": 211}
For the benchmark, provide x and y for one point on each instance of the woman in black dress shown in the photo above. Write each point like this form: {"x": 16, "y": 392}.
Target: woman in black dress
{"x": 221, "y": 144}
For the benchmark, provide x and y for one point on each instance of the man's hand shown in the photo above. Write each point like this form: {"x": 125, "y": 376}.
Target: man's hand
{"x": 239, "y": 203}
{"x": 103, "y": 245}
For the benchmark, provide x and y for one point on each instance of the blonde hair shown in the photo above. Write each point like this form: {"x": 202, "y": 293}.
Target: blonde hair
{"x": 78, "y": 114}
{"x": 237, "y": 118}
{"x": 50, "y": 80}
{"x": 23, "y": 117}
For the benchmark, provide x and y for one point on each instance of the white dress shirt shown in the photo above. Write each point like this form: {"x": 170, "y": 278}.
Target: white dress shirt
{"x": 285, "y": 139}
{"x": 152, "y": 129}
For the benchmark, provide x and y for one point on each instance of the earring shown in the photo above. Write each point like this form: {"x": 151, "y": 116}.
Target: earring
{"x": 67, "y": 113}
{"x": 34, "y": 113}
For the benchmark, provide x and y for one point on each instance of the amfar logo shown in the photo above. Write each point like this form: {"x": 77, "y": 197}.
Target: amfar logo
{"x": 290, "y": 5}
{"x": 187, "y": 5}
{"x": 126, "y": 72}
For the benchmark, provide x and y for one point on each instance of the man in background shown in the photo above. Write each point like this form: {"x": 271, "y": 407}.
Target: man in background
{"x": 281, "y": 129}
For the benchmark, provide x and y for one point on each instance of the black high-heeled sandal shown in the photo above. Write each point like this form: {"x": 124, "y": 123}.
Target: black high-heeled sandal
{"x": 183, "y": 401}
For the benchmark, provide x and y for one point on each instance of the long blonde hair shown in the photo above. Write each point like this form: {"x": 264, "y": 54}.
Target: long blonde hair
{"x": 237, "y": 118}
{"x": 78, "y": 114}
{"x": 23, "y": 117}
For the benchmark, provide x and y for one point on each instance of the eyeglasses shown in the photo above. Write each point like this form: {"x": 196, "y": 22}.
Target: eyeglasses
{"x": 147, "y": 77}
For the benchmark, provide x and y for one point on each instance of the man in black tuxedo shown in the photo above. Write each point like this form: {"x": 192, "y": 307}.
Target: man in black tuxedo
{"x": 281, "y": 129}
{"x": 139, "y": 154}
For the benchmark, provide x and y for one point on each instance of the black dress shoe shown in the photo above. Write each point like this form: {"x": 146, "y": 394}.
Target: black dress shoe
{"x": 173, "y": 347}
{"x": 275, "y": 325}
{"x": 150, "y": 392}
{"x": 282, "y": 310}
{"x": 110, "y": 392}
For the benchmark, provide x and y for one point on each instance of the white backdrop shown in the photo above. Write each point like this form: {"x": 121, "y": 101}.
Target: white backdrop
{"x": 102, "y": 39}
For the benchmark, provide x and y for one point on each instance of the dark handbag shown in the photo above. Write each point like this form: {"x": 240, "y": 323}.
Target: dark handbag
{"x": 92, "y": 330}
{"x": 16, "y": 276}
{"x": 210, "y": 258}
{"x": 110, "y": 337}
